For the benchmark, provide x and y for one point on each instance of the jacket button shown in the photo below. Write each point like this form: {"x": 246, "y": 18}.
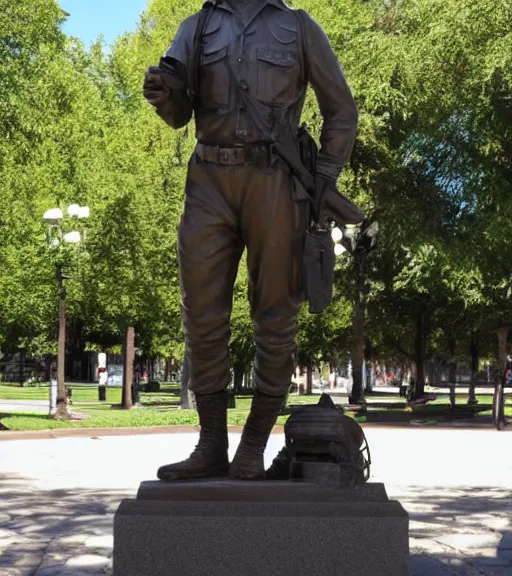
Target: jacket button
{"x": 244, "y": 86}
{"x": 241, "y": 132}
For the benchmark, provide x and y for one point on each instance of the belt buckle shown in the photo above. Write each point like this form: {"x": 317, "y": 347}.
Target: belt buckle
{"x": 224, "y": 155}
{"x": 242, "y": 155}
{"x": 231, "y": 156}
{"x": 239, "y": 155}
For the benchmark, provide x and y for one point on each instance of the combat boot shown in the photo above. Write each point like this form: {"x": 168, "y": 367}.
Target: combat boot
{"x": 248, "y": 462}
{"x": 210, "y": 457}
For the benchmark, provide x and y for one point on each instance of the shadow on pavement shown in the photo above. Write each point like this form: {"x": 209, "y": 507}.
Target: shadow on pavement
{"x": 453, "y": 531}
{"x": 466, "y": 531}
{"x": 41, "y": 528}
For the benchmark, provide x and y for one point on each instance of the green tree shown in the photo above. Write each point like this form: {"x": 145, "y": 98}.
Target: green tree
{"x": 30, "y": 41}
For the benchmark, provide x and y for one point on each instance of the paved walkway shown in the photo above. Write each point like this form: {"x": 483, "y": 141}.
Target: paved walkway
{"x": 39, "y": 406}
{"x": 58, "y": 497}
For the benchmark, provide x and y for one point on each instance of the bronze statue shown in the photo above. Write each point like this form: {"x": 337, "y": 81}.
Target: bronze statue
{"x": 242, "y": 68}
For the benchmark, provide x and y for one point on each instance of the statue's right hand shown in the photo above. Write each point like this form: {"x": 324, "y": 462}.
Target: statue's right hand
{"x": 155, "y": 91}
{"x": 153, "y": 79}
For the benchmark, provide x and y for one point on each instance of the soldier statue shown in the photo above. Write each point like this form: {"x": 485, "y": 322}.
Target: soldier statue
{"x": 242, "y": 68}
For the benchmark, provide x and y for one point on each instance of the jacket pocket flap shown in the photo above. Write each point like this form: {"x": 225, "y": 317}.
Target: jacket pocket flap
{"x": 214, "y": 56}
{"x": 276, "y": 57}
{"x": 284, "y": 33}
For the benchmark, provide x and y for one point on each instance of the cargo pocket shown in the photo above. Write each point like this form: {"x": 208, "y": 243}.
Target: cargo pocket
{"x": 213, "y": 72}
{"x": 278, "y": 76}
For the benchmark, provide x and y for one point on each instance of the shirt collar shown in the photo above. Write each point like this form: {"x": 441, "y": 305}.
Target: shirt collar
{"x": 277, "y": 3}
{"x": 224, "y": 4}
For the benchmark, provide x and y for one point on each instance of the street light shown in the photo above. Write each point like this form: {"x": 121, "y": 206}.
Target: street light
{"x": 72, "y": 237}
{"x": 83, "y": 212}
{"x": 339, "y": 249}
{"x": 54, "y": 214}
{"x": 336, "y": 234}
{"x": 360, "y": 240}
{"x": 73, "y": 210}
{"x": 56, "y": 236}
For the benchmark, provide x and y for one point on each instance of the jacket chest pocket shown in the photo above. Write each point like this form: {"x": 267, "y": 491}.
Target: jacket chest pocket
{"x": 278, "y": 76}
{"x": 213, "y": 73}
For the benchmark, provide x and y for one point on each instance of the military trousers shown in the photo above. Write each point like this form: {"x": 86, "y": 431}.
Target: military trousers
{"x": 227, "y": 209}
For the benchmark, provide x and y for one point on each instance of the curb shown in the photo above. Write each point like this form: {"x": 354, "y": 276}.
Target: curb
{"x": 104, "y": 432}
{"x": 7, "y": 435}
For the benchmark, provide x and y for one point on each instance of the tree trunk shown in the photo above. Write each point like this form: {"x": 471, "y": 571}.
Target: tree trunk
{"x": 129, "y": 357}
{"x": 48, "y": 368}
{"x": 502, "y": 350}
{"x": 21, "y": 380}
{"x": 186, "y": 396}
{"x": 167, "y": 370}
{"x": 309, "y": 380}
{"x": 357, "y": 350}
{"x": 419, "y": 354}
{"x": 152, "y": 369}
{"x": 238, "y": 379}
{"x": 474, "y": 369}
{"x": 452, "y": 363}
{"x": 368, "y": 377}
{"x": 61, "y": 409}
{"x": 452, "y": 374}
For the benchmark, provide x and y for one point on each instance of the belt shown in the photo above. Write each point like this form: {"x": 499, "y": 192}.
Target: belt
{"x": 261, "y": 155}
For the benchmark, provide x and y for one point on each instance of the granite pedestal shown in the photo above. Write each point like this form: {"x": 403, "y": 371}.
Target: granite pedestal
{"x": 230, "y": 528}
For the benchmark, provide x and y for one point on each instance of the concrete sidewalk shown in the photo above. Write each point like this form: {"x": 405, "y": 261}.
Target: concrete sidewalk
{"x": 38, "y": 406}
{"x": 58, "y": 497}
{"x": 10, "y": 435}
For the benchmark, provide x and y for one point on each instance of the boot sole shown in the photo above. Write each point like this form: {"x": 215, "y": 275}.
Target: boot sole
{"x": 242, "y": 476}
{"x": 218, "y": 472}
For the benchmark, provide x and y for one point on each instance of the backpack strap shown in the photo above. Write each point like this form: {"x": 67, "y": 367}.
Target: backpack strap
{"x": 301, "y": 19}
{"x": 195, "y": 60}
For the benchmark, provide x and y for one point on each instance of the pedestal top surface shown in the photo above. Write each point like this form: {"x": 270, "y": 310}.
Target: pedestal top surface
{"x": 264, "y": 491}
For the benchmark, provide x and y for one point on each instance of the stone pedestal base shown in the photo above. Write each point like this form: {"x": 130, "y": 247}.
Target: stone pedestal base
{"x": 229, "y": 528}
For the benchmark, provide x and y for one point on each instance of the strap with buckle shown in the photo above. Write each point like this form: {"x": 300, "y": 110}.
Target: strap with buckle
{"x": 260, "y": 155}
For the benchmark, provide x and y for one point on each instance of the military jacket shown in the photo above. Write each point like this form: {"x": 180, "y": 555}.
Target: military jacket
{"x": 265, "y": 64}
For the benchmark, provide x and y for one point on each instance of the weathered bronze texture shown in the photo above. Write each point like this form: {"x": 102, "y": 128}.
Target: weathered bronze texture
{"x": 254, "y": 64}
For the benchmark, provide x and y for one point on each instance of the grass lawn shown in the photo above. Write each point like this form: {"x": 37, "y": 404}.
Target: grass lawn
{"x": 169, "y": 394}
{"x": 119, "y": 419}
{"x": 159, "y": 409}
{"x": 10, "y": 392}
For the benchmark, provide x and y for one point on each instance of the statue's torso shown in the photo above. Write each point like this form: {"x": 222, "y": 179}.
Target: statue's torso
{"x": 263, "y": 60}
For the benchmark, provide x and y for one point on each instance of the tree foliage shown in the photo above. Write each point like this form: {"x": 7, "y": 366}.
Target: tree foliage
{"x": 432, "y": 164}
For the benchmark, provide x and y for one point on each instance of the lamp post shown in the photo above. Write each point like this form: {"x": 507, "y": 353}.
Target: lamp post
{"x": 56, "y": 237}
{"x": 359, "y": 241}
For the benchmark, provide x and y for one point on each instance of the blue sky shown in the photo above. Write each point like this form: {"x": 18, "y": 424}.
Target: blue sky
{"x": 89, "y": 18}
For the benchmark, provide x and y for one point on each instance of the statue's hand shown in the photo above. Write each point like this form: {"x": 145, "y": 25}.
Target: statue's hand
{"x": 155, "y": 90}
{"x": 322, "y": 185}
{"x": 164, "y": 88}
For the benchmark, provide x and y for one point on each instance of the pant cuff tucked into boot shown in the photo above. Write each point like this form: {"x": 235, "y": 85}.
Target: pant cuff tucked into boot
{"x": 210, "y": 457}
{"x": 248, "y": 463}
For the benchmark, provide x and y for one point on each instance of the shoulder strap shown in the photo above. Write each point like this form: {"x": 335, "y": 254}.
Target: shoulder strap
{"x": 300, "y": 15}
{"x": 195, "y": 60}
